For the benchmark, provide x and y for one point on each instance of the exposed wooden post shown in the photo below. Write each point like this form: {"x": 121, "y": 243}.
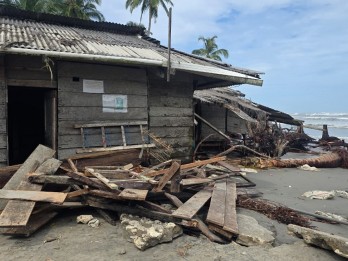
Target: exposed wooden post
{"x": 325, "y": 135}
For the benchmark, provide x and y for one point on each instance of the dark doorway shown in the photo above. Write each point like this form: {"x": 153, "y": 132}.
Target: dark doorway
{"x": 27, "y": 121}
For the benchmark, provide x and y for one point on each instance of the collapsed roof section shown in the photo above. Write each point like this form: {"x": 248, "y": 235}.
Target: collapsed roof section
{"x": 235, "y": 102}
{"x": 29, "y": 33}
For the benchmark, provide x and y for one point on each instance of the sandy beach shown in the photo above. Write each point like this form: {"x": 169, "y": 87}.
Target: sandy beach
{"x": 71, "y": 241}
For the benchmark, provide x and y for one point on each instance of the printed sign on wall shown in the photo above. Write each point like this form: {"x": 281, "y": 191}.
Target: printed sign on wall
{"x": 93, "y": 86}
{"x": 115, "y": 103}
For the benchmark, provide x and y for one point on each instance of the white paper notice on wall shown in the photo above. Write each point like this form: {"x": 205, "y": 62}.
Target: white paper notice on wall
{"x": 115, "y": 103}
{"x": 93, "y": 86}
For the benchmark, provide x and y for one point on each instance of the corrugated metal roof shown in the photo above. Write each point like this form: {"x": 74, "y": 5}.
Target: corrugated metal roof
{"x": 37, "y": 37}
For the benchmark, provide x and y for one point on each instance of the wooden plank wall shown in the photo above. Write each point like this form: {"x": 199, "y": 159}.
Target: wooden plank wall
{"x": 236, "y": 124}
{"x": 30, "y": 71}
{"x": 216, "y": 116}
{"x": 171, "y": 113}
{"x": 77, "y": 107}
{"x": 3, "y": 124}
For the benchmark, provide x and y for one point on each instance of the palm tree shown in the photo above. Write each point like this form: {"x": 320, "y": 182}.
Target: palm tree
{"x": 28, "y": 5}
{"x": 131, "y": 23}
{"x": 83, "y": 9}
{"x": 210, "y": 49}
{"x": 149, "y": 5}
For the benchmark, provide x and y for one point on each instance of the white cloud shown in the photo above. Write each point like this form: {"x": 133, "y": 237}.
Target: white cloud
{"x": 301, "y": 45}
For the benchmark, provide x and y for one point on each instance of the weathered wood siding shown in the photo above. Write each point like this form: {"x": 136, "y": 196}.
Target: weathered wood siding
{"x": 216, "y": 115}
{"x": 30, "y": 71}
{"x": 3, "y": 122}
{"x": 171, "y": 113}
{"x": 77, "y": 107}
{"x": 236, "y": 124}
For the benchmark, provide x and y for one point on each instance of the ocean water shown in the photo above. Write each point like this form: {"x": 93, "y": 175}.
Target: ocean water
{"x": 337, "y": 123}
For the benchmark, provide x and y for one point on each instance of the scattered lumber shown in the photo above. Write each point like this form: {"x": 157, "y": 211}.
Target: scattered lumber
{"x": 122, "y": 187}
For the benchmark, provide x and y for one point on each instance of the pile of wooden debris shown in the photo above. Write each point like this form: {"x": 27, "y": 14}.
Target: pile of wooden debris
{"x": 204, "y": 193}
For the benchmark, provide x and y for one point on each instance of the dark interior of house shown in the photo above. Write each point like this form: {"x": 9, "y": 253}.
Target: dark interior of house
{"x": 26, "y": 121}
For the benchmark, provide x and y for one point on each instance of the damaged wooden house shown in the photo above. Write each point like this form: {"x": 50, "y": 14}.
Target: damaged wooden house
{"x": 223, "y": 116}
{"x": 81, "y": 86}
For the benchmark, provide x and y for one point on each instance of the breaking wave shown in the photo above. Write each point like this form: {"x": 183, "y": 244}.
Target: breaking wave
{"x": 337, "y": 123}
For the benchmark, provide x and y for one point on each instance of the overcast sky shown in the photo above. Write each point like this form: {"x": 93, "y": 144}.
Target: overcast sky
{"x": 301, "y": 45}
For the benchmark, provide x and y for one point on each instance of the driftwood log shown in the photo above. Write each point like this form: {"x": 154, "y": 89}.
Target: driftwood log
{"x": 329, "y": 160}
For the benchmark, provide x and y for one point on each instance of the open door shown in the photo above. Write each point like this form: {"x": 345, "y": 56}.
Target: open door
{"x": 31, "y": 121}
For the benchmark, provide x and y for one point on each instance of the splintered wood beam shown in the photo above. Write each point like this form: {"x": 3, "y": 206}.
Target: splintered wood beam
{"x": 72, "y": 165}
{"x": 188, "y": 166}
{"x": 193, "y": 205}
{"x": 167, "y": 176}
{"x": 175, "y": 181}
{"x": 102, "y": 179}
{"x": 87, "y": 181}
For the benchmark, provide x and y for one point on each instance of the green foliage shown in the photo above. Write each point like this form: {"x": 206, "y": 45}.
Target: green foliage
{"x": 148, "y": 5}
{"x": 83, "y": 9}
{"x": 210, "y": 49}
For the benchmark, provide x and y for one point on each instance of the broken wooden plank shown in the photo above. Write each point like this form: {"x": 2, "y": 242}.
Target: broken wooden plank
{"x": 138, "y": 211}
{"x": 24, "y": 208}
{"x": 200, "y": 224}
{"x": 195, "y": 181}
{"x": 134, "y": 194}
{"x": 72, "y": 165}
{"x": 77, "y": 193}
{"x": 167, "y": 176}
{"x": 193, "y": 205}
{"x": 175, "y": 182}
{"x": 56, "y": 179}
{"x": 37, "y": 157}
{"x": 44, "y": 196}
{"x": 87, "y": 150}
{"x": 102, "y": 179}
{"x": 105, "y": 194}
{"x": 35, "y": 222}
{"x": 187, "y": 166}
{"x": 87, "y": 181}
{"x": 216, "y": 212}
{"x": 229, "y": 166}
{"x": 230, "y": 222}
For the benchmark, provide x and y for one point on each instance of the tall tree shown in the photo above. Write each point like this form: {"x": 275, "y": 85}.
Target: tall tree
{"x": 83, "y": 9}
{"x": 210, "y": 49}
{"x": 29, "y": 5}
{"x": 149, "y": 5}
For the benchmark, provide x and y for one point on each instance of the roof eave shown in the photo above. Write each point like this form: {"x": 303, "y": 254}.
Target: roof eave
{"x": 218, "y": 73}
